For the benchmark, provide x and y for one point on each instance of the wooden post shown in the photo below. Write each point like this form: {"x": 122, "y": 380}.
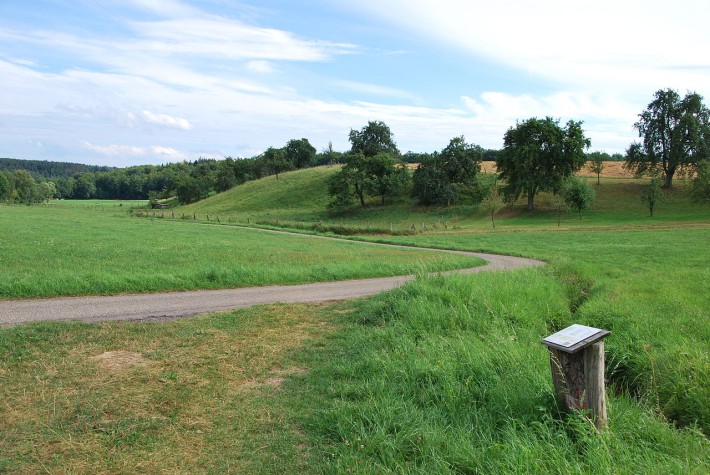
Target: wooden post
{"x": 577, "y": 364}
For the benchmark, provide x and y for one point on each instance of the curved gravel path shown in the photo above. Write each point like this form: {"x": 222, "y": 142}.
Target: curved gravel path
{"x": 171, "y": 305}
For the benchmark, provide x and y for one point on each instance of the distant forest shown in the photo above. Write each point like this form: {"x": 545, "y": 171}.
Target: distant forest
{"x": 46, "y": 169}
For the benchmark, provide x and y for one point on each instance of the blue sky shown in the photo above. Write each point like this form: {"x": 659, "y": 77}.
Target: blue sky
{"x": 126, "y": 82}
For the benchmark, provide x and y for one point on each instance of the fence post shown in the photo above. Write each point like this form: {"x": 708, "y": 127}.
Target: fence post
{"x": 577, "y": 364}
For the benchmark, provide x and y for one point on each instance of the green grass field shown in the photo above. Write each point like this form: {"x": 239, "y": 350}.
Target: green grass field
{"x": 444, "y": 375}
{"x": 75, "y": 251}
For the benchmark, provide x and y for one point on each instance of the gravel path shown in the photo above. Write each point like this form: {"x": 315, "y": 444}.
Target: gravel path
{"x": 170, "y": 305}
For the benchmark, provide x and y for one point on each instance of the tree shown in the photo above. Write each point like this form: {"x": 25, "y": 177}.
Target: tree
{"x": 84, "y": 187}
{"x": 300, "y": 153}
{"x": 226, "y": 178}
{"x": 276, "y": 161}
{"x": 675, "y": 133}
{"x": 46, "y": 190}
{"x": 441, "y": 177}
{"x": 376, "y": 137}
{"x": 4, "y": 186}
{"x": 329, "y": 156}
{"x": 652, "y": 193}
{"x": 596, "y": 163}
{"x": 493, "y": 203}
{"x": 538, "y": 155}
{"x": 700, "y": 190}
{"x": 190, "y": 189}
{"x": 26, "y": 187}
{"x": 577, "y": 194}
{"x": 560, "y": 206}
{"x": 381, "y": 175}
{"x": 385, "y": 177}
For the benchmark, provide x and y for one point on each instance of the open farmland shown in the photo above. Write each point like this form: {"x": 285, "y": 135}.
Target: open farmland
{"x": 443, "y": 375}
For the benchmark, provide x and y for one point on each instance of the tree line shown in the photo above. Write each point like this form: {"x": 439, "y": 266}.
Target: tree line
{"x": 29, "y": 181}
{"x": 537, "y": 155}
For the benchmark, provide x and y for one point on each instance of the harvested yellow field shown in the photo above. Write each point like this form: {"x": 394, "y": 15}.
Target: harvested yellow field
{"x": 611, "y": 169}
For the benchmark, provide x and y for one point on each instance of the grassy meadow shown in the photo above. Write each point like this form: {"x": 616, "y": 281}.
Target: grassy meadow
{"x": 75, "y": 251}
{"x": 443, "y": 375}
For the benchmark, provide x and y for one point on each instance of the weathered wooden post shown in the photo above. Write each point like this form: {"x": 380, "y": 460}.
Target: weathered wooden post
{"x": 577, "y": 363}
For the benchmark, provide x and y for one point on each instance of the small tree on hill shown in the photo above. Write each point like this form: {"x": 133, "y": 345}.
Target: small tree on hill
{"x": 559, "y": 204}
{"x": 375, "y": 138}
{"x": 596, "y": 164}
{"x": 300, "y": 153}
{"x": 276, "y": 161}
{"x": 652, "y": 193}
{"x": 577, "y": 194}
{"x": 493, "y": 203}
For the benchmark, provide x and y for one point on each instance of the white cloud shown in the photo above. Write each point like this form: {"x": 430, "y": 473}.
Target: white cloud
{"x": 156, "y": 151}
{"x": 166, "y": 120}
{"x": 114, "y": 150}
{"x": 261, "y": 66}
{"x": 629, "y": 46}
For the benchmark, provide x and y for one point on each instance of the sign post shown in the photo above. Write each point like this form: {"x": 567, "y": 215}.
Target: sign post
{"x": 577, "y": 363}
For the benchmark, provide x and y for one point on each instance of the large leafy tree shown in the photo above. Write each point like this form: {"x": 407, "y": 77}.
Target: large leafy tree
{"x": 371, "y": 167}
{"x": 441, "y": 177}
{"x": 276, "y": 162}
{"x": 300, "y": 153}
{"x": 375, "y": 138}
{"x": 538, "y": 155}
{"x": 382, "y": 175}
{"x": 675, "y": 133}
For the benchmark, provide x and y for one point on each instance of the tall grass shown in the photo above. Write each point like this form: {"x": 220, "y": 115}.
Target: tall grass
{"x": 649, "y": 287}
{"x": 447, "y": 375}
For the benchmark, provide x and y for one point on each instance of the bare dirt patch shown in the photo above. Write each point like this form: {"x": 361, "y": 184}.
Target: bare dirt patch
{"x": 119, "y": 359}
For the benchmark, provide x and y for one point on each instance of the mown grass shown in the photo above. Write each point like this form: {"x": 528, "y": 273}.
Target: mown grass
{"x": 49, "y": 252}
{"x": 191, "y": 396}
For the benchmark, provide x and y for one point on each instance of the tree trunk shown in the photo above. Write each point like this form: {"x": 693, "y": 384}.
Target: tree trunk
{"x": 531, "y": 196}
{"x": 493, "y": 219}
{"x": 667, "y": 181}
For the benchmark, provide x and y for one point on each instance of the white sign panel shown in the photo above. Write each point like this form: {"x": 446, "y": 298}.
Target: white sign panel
{"x": 571, "y": 335}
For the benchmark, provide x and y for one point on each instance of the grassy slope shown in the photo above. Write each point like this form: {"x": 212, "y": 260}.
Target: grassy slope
{"x": 84, "y": 251}
{"x": 299, "y": 200}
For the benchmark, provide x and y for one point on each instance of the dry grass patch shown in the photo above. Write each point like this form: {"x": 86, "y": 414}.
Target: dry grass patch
{"x": 193, "y": 395}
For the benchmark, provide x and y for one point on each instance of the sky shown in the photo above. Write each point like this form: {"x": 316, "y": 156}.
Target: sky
{"x": 129, "y": 82}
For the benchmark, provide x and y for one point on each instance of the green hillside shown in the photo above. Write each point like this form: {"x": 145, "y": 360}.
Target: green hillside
{"x": 300, "y": 199}
{"x": 302, "y": 194}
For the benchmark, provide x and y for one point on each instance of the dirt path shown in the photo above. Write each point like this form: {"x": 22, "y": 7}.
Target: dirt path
{"x": 171, "y": 305}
